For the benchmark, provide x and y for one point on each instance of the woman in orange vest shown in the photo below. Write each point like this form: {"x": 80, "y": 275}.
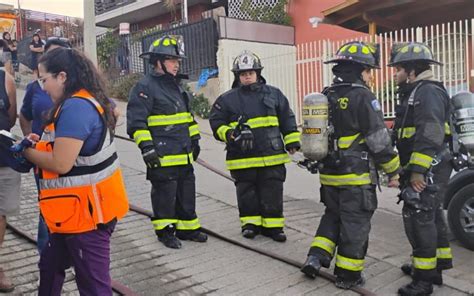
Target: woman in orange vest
{"x": 82, "y": 193}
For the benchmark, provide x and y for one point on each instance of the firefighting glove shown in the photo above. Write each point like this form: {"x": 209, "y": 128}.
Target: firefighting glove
{"x": 410, "y": 197}
{"x": 150, "y": 157}
{"x": 294, "y": 145}
{"x": 196, "y": 148}
{"x": 243, "y": 136}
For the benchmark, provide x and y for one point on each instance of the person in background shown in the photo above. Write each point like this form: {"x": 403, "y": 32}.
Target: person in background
{"x": 36, "y": 104}
{"x": 8, "y": 48}
{"x": 36, "y": 48}
{"x": 9, "y": 179}
{"x": 82, "y": 163}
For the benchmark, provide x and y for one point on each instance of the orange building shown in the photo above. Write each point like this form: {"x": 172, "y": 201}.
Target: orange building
{"x": 305, "y": 13}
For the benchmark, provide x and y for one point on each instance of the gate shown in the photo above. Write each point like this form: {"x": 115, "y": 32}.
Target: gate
{"x": 452, "y": 44}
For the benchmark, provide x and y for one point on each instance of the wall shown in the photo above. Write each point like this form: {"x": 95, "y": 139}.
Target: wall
{"x": 302, "y": 10}
{"x": 278, "y": 62}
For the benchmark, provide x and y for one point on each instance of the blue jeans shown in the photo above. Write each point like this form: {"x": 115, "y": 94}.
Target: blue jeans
{"x": 43, "y": 234}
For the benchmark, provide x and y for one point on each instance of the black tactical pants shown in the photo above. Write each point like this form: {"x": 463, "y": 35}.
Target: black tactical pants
{"x": 260, "y": 196}
{"x": 345, "y": 225}
{"x": 173, "y": 198}
{"x": 426, "y": 229}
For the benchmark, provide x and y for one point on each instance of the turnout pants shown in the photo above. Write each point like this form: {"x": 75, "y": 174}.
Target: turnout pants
{"x": 426, "y": 229}
{"x": 173, "y": 198}
{"x": 345, "y": 225}
{"x": 260, "y": 197}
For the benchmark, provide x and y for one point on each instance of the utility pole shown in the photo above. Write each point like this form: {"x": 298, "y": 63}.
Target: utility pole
{"x": 21, "y": 22}
{"x": 90, "y": 45}
{"x": 184, "y": 9}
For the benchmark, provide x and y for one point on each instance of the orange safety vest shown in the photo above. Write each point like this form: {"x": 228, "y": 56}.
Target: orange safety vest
{"x": 91, "y": 194}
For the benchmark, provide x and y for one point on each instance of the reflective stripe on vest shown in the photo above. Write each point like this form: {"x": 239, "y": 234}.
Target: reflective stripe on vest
{"x": 324, "y": 243}
{"x": 349, "y": 263}
{"x": 188, "y": 224}
{"x": 341, "y": 180}
{"x": 273, "y": 222}
{"x": 178, "y": 118}
{"x": 424, "y": 263}
{"x": 255, "y": 162}
{"x": 255, "y": 220}
{"x": 160, "y": 224}
{"x": 91, "y": 193}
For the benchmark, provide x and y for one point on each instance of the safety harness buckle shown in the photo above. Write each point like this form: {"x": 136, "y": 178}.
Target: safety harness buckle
{"x": 364, "y": 155}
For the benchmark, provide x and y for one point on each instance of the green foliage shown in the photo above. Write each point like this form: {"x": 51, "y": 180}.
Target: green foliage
{"x": 106, "y": 47}
{"x": 200, "y": 106}
{"x": 120, "y": 89}
{"x": 275, "y": 14}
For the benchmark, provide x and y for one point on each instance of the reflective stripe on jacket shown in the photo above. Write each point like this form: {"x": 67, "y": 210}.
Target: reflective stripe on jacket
{"x": 91, "y": 193}
{"x": 268, "y": 114}
{"x": 158, "y": 115}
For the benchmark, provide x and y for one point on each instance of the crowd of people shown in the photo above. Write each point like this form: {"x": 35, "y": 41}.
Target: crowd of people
{"x": 68, "y": 123}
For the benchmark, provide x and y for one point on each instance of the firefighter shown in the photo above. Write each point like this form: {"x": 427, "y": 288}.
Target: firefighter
{"x": 359, "y": 143}
{"x": 255, "y": 121}
{"x": 422, "y": 135}
{"x": 159, "y": 120}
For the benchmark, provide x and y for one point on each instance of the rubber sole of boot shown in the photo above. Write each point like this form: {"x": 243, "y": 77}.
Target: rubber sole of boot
{"x": 310, "y": 271}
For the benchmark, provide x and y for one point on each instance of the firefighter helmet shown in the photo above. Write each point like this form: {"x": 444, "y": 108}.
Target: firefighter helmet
{"x": 166, "y": 46}
{"x": 358, "y": 52}
{"x": 411, "y": 52}
{"x": 246, "y": 61}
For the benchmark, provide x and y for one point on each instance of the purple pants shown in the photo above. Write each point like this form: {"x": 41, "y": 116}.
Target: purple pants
{"x": 88, "y": 252}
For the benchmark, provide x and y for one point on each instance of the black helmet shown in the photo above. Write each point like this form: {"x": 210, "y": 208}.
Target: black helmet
{"x": 358, "y": 52}
{"x": 246, "y": 61}
{"x": 166, "y": 46}
{"x": 411, "y": 52}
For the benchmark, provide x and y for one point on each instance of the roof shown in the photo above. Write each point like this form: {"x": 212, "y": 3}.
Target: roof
{"x": 391, "y": 15}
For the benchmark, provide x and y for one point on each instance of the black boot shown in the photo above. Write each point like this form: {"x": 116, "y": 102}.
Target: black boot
{"x": 275, "y": 234}
{"x": 195, "y": 236}
{"x": 407, "y": 269}
{"x": 167, "y": 237}
{"x": 311, "y": 266}
{"x": 346, "y": 284}
{"x": 250, "y": 231}
{"x": 416, "y": 288}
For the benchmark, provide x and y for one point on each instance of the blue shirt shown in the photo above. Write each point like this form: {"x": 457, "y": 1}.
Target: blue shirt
{"x": 36, "y": 105}
{"x": 79, "y": 119}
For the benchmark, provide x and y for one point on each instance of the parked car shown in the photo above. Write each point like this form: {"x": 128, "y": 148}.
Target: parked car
{"x": 459, "y": 201}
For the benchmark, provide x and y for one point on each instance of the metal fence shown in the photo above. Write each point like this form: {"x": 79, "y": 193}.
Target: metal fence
{"x": 452, "y": 44}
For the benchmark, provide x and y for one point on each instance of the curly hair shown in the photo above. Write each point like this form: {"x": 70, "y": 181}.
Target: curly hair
{"x": 81, "y": 74}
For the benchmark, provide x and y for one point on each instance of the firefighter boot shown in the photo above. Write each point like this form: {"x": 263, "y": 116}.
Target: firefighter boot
{"x": 416, "y": 288}
{"x": 167, "y": 237}
{"x": 311, "y": 266}
{"x": 346, "y": 284}
{"x": 195, "y": 236}
{"x": 250, "y": 231}
{"x": 407, "y": 269}
{"x": 275, "y": 234}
